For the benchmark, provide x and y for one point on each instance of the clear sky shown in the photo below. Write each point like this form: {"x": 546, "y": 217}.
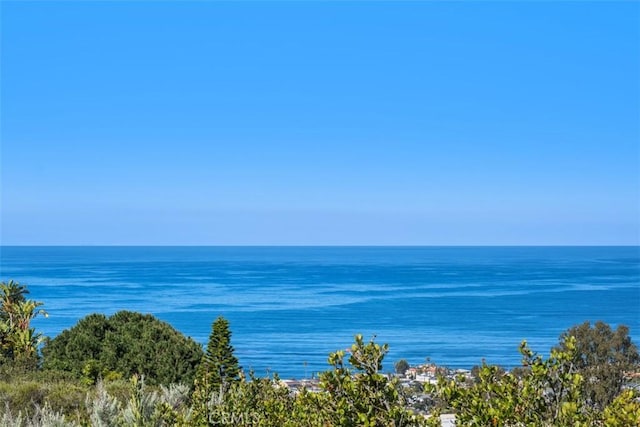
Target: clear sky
{"x": 320, "y": 123}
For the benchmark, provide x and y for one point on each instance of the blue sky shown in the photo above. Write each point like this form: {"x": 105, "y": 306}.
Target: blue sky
{"x": 320, "y": 123}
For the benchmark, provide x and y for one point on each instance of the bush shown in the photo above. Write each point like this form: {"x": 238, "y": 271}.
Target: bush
{"x": 126, "y": 344}
{"x": 28, "y": 395}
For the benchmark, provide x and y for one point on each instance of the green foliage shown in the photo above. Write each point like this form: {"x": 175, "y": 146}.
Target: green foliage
{"x": 144, "y": 406}
{"x": 254, "y": 402}
{"x": 103, "y": 409}
{"x": 217, "y": 371}
{"x": 360, "y": 394}
{"x": 219, "y": 367}
{"x": 125, "y": 344}
{"x": 546, "y": 393}
{"x": 580, "y": 384}
{"x": 32, "y": 393}
{"x": 353, "y": 392}
{"x": 603, "y": 357}
{"x": 624, "y": 410}
{"x": 18, "y": 340}
{"x": 401, "y": 366}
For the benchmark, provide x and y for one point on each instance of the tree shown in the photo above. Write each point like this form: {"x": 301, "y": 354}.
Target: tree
{"x": 219, "y": 367}
{"x": 248, "y": 403}
{"x": 359, "y": 394}
{"x": 401, "y": 366}
{"x": 353, "y": 393}
{"x": 547, "y": 392}
{"x": 18, "y": 340}
{"x": 603, "y": 357}
{"x": 216, "y": 374}
{"x": 127, "y": 343}
{"x": 624, "y": 411}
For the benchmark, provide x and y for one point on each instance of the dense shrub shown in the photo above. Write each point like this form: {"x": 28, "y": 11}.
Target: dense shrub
{"x": 126, "y": 344}
{"x": 29, "y": 395}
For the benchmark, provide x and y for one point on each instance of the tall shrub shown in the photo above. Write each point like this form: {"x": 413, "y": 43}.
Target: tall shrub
{"x": 125, "y": 344}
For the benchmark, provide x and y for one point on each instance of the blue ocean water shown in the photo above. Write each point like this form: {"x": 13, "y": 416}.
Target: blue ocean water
{"x": 290, "y": 306}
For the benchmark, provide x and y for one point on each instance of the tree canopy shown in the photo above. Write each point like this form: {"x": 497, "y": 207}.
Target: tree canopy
{"x": 126, "y": 343}
{"x": 580, "y": 384}
{"x": 603, "y": 357}
{"x": 401, "y": 366}
{"x": 358, "y": 393}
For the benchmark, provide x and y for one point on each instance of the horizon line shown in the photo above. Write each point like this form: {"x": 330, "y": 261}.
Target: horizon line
{"x": 319, "y": 245}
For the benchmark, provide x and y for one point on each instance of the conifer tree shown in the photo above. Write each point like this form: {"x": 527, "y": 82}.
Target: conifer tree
{"x": 219, "y": 367}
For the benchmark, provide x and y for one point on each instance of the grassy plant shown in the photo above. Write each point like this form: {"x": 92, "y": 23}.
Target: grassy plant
{"x": 41, "y": 416}
{"x": 103, "y": 409}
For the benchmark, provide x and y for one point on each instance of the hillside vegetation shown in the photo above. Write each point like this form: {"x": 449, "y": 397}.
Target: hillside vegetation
{"x": 131, "y": 369}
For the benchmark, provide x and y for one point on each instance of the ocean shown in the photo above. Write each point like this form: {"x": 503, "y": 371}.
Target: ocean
{"x": 289, "y": 307}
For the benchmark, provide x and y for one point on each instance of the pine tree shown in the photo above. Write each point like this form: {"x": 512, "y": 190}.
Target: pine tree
{"x": 219, "y": 367}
